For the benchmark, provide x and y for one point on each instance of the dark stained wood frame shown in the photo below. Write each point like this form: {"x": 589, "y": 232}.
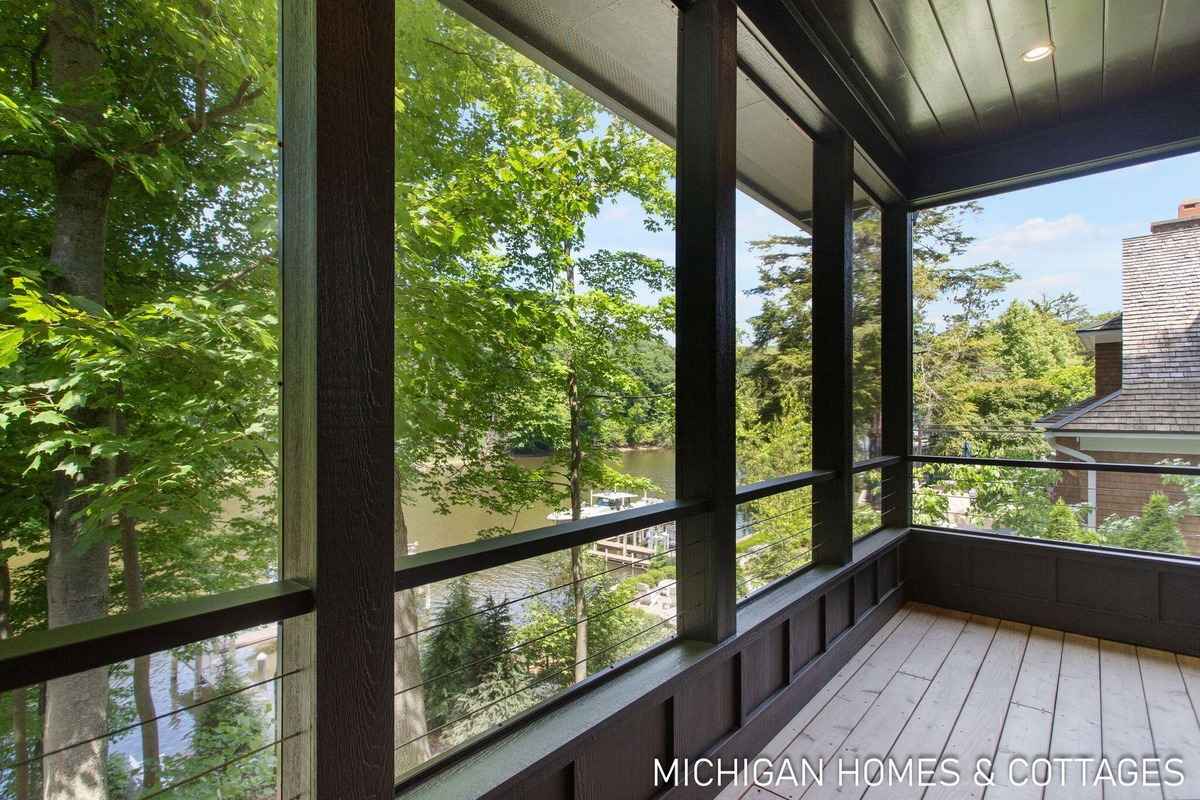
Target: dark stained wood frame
{"x": 896, "y": 383}
{"x": 705, "y": 292}
{"x": 337, "y": 191}
{"x": 832, "y": 407}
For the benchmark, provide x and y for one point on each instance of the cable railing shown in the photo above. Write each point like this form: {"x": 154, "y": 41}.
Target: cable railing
{"x": 1145, "y": 507}
{"x": 215, "y": 733}
{"x": 524, "y": 624}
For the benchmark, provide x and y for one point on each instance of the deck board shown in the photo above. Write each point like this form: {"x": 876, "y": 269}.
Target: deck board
{"x": 940, "y": 684}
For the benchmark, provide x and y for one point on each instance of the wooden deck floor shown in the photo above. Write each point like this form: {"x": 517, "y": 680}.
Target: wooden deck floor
{"x": 941, "y": 684}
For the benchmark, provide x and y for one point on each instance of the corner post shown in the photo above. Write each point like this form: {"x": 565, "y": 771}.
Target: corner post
{"x": 833, "y": 351}
{"x": 705, "y": 327}
{"x": 336, "y": 211}
{"x": 897, "y": 363}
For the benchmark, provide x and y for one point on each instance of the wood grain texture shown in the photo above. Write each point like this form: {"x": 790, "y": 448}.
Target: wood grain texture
{"x": 705, "y": 296}
{"x": 338, "y": 308}
{"x": 1077, "y": 720}
{"x": 1125, "y": 724}
{"x": 925, "y": 734}
{"x": 832, "y": 275}
{"x": 896, "y": 360}
{"x": 1173, "y": 721}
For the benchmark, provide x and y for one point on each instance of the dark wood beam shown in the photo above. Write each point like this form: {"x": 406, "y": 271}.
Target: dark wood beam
{"x": 1161, "y": 126}
{"x": 55, "y": 653}
{"x": 444, "y": 563}
{"x": 785, "y": 27}
{"x": 833, "y": 353}
{"x": 705, "y": 322}
{"x": 896, "y": 381}
{"x": 337, "y": 406}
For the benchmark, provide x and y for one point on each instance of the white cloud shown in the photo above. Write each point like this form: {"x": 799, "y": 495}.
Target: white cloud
{"x": 1037, "y": 231}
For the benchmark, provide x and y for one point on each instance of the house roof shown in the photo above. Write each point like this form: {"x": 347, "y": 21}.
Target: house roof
{"x": 1111, "y": 324}
{"x": 1167, "y": 408}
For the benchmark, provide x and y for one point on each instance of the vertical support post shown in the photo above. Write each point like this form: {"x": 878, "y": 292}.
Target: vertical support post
{"x": 833, "y": 352}
{"x": 897, "y": 362}
{"x": 337, "y": 406}
{"x": 705, "y": 327}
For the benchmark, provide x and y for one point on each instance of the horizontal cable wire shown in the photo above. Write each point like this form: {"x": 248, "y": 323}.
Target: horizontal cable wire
{"x": 774, "y": 543}
{"x": 127, "y": 728}
{"x": 792, "y": 510}
{"x": 790, "y": 561}
{"x": 218, "y": 767}
{"x": 569, "y": 626}
{"x": 538, "y": 593}
{"x": 540, "y": 679}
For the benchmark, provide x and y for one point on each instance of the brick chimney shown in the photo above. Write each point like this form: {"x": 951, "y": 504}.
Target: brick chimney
{"x": 1189, "y": 216}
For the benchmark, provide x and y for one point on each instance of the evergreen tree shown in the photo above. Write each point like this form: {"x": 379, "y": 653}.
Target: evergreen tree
{"x": 1062, "y": 525}
{"x": 1157, "y": 529}
{"x": 448, "y": 664}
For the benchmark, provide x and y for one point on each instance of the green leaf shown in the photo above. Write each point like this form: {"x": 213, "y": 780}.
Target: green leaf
{"x": 50, "y": 418}
{"x": 10, "y": 341}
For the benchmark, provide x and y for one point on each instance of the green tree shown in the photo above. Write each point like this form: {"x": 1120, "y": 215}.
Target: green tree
{"x": 136, "y": 141}
{"x": 1156, "y": 530}
{"x": 450, "y": 663}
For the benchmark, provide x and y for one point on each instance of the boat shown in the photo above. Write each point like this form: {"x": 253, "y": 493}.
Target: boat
{"x": 634, "y": 549}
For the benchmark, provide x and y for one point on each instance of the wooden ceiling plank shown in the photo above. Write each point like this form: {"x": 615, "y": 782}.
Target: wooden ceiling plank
{"x": 865, "y": 39}
{"x": 914, "y": 30}
{"x": 1178, "y": 56}
{"x": 967, "y": 25}
{"x": 1130, "y": 34}
{"x": 1077, "y": 28}
{"x": 1021, "y": 25}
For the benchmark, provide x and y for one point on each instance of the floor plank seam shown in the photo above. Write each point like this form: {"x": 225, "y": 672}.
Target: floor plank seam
{"x": 875, "y": 700}
{"x": 1012, "y": 690}
{"x": 1062, "y": 638}
{"x": 971, "y": 688}
{"x": 928, "y": 686}
{"x": 1188, "y": 690}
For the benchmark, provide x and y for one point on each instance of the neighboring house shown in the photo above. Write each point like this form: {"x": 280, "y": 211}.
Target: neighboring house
{"x": 1146, "y": 406}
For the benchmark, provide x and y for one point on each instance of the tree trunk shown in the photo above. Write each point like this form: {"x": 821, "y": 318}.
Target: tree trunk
{"x": 20, "y": 731}
{"x": 409, "y": 706}
{"x": 143, "y": 696}
{"x": 77, "y": 573}
{"x": 574, "y": 480}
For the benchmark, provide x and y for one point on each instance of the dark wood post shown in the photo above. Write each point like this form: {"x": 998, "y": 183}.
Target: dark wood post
{"x": 337, "y": 68}
{"x": 832, "y": 415}
{"x": 705, "y": 326}
{"x": 897, "y": 363}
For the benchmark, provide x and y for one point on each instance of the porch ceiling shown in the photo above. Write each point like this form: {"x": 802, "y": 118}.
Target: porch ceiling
{"x": 935, "y": 93}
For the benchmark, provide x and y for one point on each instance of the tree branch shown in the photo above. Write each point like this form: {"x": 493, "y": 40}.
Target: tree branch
{"x": 229, "y": 280}
{"x": 202, "y": 119}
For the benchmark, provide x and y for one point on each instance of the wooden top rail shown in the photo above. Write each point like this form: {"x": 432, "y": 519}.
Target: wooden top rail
{"x": 757, "y": 491}
{"x": 44, "y": 655}
{"x": 878, "y": 462}
{"x": 457, "y": 560}
{"x": 1145, "y": 469}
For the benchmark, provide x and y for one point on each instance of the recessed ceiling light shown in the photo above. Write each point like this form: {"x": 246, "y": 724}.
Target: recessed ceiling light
{"x": 1037, "y": 53}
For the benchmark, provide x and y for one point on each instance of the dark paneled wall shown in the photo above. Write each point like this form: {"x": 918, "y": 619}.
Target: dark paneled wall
{"x": 1139, "y": 599}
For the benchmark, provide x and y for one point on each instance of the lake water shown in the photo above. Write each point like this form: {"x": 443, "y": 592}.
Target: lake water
{"x": 431, "y": 530}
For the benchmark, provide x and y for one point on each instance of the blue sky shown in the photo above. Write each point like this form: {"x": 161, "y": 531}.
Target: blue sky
{"x": 1060, "y": 237}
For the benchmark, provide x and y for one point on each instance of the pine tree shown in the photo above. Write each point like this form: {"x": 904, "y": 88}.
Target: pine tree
{"x": 448, "y": 664}
{"x": 1062, "y": 525}
{"x": 1156, "y": 530}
